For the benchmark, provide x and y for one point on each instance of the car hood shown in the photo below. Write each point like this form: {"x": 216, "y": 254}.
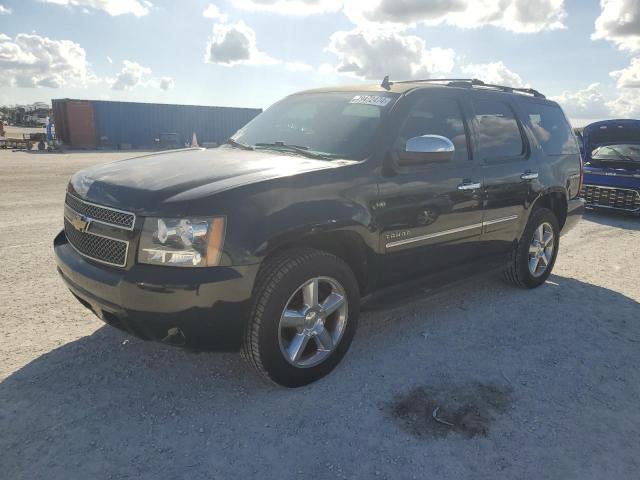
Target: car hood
{"x": 165, "y": 183}
{"x": 609, "y": 132}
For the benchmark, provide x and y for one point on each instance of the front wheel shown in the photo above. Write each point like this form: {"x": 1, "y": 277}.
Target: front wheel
{"x": 304, "y": 317}
{"x": 535, "y": 254}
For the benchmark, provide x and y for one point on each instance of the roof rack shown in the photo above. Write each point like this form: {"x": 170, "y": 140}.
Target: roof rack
{"x": 468, "y": 83}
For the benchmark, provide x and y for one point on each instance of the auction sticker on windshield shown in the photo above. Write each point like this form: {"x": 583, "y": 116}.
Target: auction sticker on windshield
{"x": 378, "y": 100}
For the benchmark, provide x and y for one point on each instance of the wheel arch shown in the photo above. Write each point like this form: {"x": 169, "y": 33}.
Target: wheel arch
{"x": 348, "y": 245}
{"x": 556, "y": 201}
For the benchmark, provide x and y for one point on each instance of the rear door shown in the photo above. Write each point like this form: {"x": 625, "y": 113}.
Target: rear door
{"x": 430, "y": 216}
{"x": 507, "y": 168}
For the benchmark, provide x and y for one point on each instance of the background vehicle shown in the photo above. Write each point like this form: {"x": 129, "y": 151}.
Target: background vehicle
{"x": 268, "y": 244}
{"x": 612, "y": 165}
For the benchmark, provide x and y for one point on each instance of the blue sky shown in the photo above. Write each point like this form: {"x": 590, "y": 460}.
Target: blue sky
{"x": 586, "y": 54}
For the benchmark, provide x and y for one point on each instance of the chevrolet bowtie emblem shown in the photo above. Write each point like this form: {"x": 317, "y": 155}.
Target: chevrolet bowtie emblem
{"x": 81, "y": 223}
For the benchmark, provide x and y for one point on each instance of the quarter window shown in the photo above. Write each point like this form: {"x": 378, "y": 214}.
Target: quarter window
{"x": 437, "y": 116}
{"x": 551, "y": 128}
{"x": 498, "y": 130}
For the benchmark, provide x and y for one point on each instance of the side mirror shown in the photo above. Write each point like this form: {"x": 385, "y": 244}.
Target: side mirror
{"x": 427, "y": 149}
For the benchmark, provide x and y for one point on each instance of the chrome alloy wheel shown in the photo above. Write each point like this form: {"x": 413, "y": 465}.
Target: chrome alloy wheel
{"x": 541, "y": 249}
{"x": 313, "y": 321}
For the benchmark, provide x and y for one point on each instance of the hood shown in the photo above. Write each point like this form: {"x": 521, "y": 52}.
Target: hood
{"x": 166, "y": 182}
{"x": 610, "y": 132}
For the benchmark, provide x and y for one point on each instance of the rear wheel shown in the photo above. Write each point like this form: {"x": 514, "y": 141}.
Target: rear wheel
{"x": 304, "y": 316}
{"x": 534, "y": 256}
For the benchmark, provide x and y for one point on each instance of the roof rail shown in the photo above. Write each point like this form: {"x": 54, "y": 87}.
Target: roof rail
{"x": 470, "y": 83}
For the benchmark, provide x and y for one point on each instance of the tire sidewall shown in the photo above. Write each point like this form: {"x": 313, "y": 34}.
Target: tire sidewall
{"x": 542, "y": 215}
{"x": 271, "y": 357}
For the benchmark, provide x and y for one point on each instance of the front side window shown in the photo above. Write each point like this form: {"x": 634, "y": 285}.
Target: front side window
{"x": 498, "y": 130}
{"x": 437, "y": 116}
{"x": 551, "y": 128}
{"x": 334, "y": 124}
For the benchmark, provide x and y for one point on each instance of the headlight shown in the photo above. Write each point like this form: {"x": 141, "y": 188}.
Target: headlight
{"x": 182, "y": 242}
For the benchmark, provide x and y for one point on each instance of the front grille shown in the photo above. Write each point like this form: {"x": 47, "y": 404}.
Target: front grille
{"x": 96, "y": 247}
{"x": 617, "y": 198}
{"x": 108, "y": 215}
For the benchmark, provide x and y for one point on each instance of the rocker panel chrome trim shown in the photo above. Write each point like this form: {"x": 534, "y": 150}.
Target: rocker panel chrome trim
{"x": 451, "y": 231}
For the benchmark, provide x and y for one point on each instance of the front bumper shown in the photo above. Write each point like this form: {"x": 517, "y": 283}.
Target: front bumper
{"x": 575, "y": 210}
{"x": 202, "y": 308}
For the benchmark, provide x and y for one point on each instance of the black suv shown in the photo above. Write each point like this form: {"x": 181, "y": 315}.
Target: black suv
{"x": 268, "y": 244}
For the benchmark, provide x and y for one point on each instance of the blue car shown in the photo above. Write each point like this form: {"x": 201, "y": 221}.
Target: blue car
{"x": 612, "y": 165}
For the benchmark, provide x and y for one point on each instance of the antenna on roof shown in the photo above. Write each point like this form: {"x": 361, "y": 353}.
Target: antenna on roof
{"x": 386, "y": 84}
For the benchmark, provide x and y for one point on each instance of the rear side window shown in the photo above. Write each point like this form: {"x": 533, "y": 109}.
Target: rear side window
{"x": 551, "y": 128}
{"x": 498, "y": 130}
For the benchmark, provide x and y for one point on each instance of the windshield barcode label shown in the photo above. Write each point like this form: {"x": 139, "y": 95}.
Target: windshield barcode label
{"x": 377, "y": 100}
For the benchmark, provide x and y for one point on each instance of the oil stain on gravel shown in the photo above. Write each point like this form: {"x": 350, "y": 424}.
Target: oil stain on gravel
{"x": 437, "y": 412}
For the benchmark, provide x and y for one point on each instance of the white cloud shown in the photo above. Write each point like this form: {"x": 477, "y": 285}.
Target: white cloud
{"x": 233, "y": 44}
{"x": 591, "y": 103}
{"x": 166, "y": 83}
{"x": 522, "y": 16}
{"x": 494, "y": 72}
{"x": 628, "y": 77}
{"x": 298, "y": 67}
{"x": 373, "y": 54}
{"x": 626, "y": 104}
{"x": 133, "y": 75}
{"x": 138, "y": 8}
{"x": 30, "y": 60}
{"x": 289, "y": 7}
{"x": 4, "y": 10}
{"x": 619, "y": 22}
{"x": 585, "y": 103}
{"x": 212, "y": 11}
{"x": 402, "y": 12}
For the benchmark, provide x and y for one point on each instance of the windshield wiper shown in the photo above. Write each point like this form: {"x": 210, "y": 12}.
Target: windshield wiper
{"x": 304, "y": 151}
{"x": 235, "y": 143}
{"x": 621, "y": 155}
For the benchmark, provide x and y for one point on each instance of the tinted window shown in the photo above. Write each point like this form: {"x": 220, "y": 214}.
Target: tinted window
{"x": 499, "y": 134}
{"x": 333, "y": 123}
{"x": 550, "y": 128}
{"x": 437, "y": 116}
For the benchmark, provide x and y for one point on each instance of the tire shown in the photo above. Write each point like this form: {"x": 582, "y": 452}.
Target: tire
{"x": 283, "y": 284}
{"x": 519, "y": 271}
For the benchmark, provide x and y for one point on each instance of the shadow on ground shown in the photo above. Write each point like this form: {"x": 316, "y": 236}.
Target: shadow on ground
{"x": 613, "y": 219}
{"x": 554, "y": 372}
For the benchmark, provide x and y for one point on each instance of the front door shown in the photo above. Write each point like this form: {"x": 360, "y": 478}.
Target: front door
{"x": 430, "y": 216}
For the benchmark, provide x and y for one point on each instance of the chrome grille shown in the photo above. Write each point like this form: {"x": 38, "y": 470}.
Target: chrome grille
{"x": 99, "y": 248}
{"x": 609, "y": 197}
{"x": 98, "y": 213}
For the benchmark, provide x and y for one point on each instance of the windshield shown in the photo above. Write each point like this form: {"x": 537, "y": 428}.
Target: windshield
{"x": 618, "y": 152}
{"x": 334, "y": 124}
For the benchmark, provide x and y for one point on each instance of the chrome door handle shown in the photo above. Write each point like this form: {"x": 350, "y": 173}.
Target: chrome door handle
{"x": 469, "y": 186}
{"x": 529, "y": 175}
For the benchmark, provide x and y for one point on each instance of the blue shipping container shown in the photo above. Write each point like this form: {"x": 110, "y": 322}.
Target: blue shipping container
{"x": 140, "y": 124}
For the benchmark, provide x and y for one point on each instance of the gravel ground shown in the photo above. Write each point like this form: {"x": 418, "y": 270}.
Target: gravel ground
{"x": 537, "y": 384}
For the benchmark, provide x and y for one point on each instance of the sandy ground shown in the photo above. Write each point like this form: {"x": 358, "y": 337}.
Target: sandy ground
{"x": 11, "y": 131}
{"x": 538, "y": 384}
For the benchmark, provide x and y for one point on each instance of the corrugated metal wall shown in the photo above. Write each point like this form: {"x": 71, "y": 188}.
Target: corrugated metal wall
{"x": 140, "y": 124}
{"x": 74, "y": 122}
